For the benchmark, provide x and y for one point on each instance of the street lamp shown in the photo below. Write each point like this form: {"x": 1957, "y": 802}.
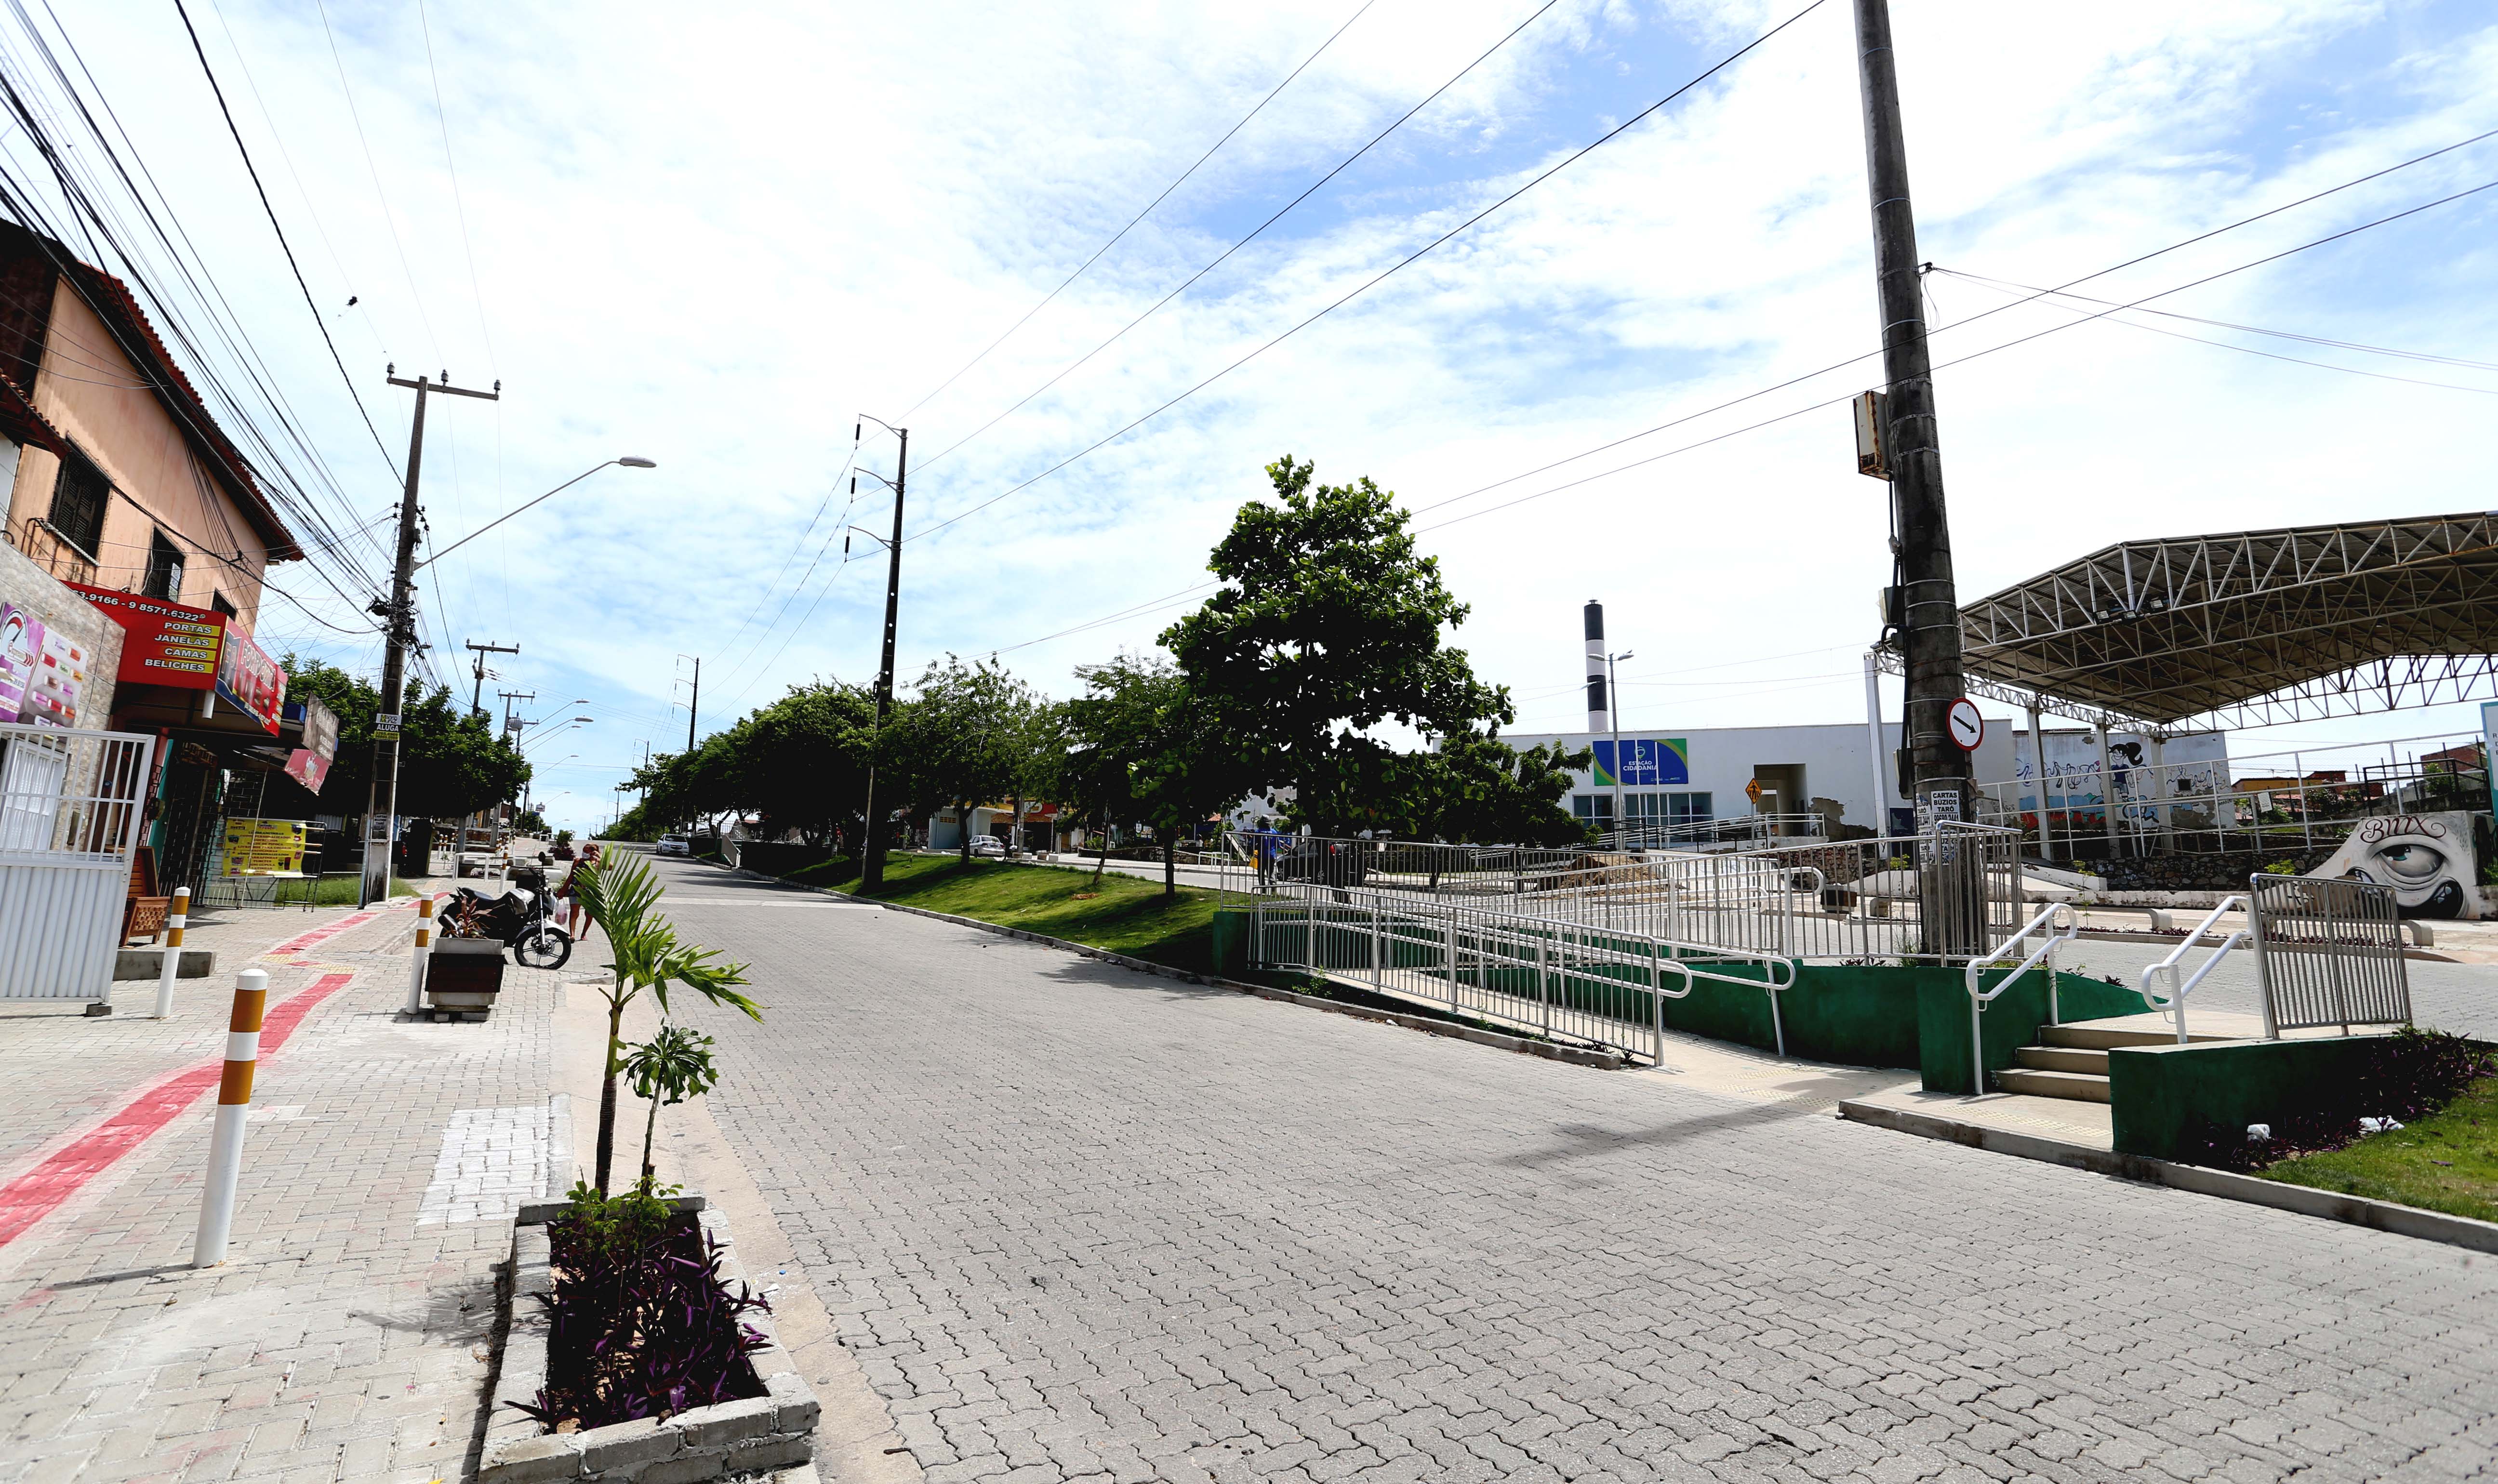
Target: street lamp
{"x": 1614, "y": 691}
{"x": 629, "y": 461}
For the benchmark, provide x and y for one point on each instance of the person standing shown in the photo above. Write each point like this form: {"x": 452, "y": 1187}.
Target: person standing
{"x": 575, "y": 913}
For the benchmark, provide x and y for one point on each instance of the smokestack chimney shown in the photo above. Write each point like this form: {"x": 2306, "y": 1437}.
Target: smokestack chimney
{"x": 1599, "y": 706}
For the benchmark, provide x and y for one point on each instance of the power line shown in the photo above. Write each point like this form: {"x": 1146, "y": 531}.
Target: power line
{"x": 1964, "y": 360}
{"x": 1148, "y": 211}
{"x": 1183, "y": 593}
{"x": 348, "y": 90}
{"x": 459, "y": 204}
{"x": 288, "y": 248}
{"x": 2132, "y": 262}
{"x": 2055, "y": 301}
{"x": 1227, "y": 253}
{"x": 1537, "y": 179}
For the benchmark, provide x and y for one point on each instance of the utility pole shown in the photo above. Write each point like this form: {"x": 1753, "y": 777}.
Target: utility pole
{"x": 872, "y": 855}
{"x": 477, "y": 697}
{"x": 1621, "y": 765}
{"x": 1928, "y": 600}
{"x": 398, "y": 615}
{"x": 1927, "y": 604}
{"x": 694, "y": 707}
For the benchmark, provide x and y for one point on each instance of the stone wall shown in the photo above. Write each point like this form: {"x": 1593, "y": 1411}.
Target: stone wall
{"x": 56, "y": 606}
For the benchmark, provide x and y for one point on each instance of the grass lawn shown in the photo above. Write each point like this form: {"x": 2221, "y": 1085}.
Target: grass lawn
{"x": 1125, "y": 915}
{"x": 2448, "y": 1163}
{"x": 341, "y": 891}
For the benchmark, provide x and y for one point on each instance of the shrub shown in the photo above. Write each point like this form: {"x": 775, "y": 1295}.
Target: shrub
{"x": 2407, "y": 1075}
{"x": 640, "y": 1322}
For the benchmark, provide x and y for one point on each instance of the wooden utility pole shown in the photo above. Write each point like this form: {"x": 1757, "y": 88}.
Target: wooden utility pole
{"x": 1929, "y": 600}
{"x": 398, "y": 616}
{"x": 872, "y": 853}
{"x": 694, "y": 705}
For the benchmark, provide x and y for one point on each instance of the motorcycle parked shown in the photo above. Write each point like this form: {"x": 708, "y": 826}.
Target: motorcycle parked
{"x": 520, "y": 919}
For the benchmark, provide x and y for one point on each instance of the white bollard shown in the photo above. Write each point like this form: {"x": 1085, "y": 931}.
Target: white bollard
{"x": 172, "y": 965}
{"x": 233, "y": 1106}
{"x": 424, "y": 948}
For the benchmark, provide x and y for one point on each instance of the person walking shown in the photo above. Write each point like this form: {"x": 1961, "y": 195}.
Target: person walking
{"x": 575, "y": 913}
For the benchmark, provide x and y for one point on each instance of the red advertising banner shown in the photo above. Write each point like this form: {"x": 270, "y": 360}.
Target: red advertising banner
{"x": 163, "y": 643}
{"x": 250, "y": 681}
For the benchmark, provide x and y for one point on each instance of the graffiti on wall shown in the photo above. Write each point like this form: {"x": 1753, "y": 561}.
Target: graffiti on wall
{"x": 2427, "y": 858}
{"x": 2194, "y": 767}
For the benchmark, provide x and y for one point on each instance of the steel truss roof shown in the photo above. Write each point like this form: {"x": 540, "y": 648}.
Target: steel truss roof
{"x": 2251, "y": 627}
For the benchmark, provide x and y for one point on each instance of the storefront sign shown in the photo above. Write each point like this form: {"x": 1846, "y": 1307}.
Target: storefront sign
{"x": 42, "y": 671}
{"x": 163, "y": 643}
{"x": 249, "y": 681}
{"x": 309, "y": 764}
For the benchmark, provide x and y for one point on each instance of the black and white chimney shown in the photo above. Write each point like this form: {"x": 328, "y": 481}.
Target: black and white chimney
{"x": 1599, "y": 706}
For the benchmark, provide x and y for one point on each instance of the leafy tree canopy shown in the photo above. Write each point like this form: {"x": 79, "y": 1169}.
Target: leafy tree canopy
{"x": 1330, "y": 625}
{"x": 451, "y": 764}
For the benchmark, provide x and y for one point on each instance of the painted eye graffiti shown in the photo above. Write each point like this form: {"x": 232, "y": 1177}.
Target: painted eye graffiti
{"x": 2412, "y": 865}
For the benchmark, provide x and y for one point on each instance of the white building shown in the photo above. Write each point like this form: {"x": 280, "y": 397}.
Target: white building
{"x": 1697, "y": 774}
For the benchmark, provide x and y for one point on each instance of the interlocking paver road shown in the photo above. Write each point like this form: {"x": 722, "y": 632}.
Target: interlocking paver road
{"x": 1082, "y": 1223}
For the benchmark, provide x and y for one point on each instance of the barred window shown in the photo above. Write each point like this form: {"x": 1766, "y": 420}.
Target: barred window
{"x": 78, "y": 503}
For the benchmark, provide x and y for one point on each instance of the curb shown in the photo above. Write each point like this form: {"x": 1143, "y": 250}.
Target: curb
{"x": 2304, "y": 1200}
{"x": 1577, "y": 1056}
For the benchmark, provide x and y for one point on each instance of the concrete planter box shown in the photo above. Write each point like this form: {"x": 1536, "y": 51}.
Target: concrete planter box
{"x": 756, "y": 1436}
{"x": 463, "y": 976}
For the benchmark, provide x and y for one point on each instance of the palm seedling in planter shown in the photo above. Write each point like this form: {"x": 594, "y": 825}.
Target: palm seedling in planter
{"x": 669, "y": 1068}
{"x": 622, "y": 895}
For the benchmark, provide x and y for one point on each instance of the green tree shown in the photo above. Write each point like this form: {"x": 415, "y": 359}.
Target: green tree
{"x": 1477, "y": 788}
{"x": 964, "y": 739}
{"x": 803, "y": 760}
{"x": 1148, "y": 751}
{"x": 665, "y": 1070}
{"x": 1328, "y": 625}
{"x": 451, "y": 764}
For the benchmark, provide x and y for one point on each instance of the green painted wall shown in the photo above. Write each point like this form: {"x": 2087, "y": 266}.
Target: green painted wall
{"x": 2011, "y": 1022}
{"x": 1231, "y": 928}
{"x": 2157, "y": 1091}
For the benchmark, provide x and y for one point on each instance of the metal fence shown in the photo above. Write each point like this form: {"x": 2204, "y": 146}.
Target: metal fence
{"x": 71, "y": 809}
{"x": 1952, "y": 894}
{"x": 1571, "y": 980}
{"x": 2327, "y": 952}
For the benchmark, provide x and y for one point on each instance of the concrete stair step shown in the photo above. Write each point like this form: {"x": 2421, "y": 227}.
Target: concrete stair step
{"x": 2074, "y": 1086}
{"x": 2060, "y": 1058}
{"x": 2085, "y": 1034}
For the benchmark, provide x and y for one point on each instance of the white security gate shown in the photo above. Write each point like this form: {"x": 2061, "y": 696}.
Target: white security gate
{"x": 72, "y": 804}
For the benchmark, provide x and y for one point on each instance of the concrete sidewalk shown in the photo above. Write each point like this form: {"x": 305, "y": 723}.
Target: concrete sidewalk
{"x": 348, "y": 1334}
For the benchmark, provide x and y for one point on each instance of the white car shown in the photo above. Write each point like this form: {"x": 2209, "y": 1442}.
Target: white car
{"x": 674, "y": 844}
{"x": 990, "y": 847}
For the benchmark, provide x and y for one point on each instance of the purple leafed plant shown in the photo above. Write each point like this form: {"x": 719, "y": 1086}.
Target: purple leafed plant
{"x": 640, "y": 1323}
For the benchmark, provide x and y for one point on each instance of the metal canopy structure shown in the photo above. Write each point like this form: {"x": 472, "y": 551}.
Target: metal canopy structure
{"x": 2249, "y": 628}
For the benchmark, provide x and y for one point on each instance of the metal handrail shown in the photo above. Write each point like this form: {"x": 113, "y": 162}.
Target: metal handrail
{"x": 2042, "y": 924}
{"x": 1525, "y": 939}
{"x": 2175, "y": 1001}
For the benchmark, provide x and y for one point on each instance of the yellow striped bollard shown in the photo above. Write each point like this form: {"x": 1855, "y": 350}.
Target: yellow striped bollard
{"x": 234, "y": 1105}
{"x": 424, "y": 948}
{"x": 173, "y": 964}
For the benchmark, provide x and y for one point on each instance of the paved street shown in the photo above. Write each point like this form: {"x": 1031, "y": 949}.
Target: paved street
{"x": 1077, "y": 1222}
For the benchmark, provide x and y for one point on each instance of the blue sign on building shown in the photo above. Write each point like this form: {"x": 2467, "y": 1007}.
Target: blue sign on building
{"x": 1645, "y": 763}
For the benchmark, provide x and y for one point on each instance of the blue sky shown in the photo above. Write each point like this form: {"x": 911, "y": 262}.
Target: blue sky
{"x": 713, "y": 239}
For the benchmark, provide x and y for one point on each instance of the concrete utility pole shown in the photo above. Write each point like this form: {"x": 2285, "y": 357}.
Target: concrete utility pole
{"x": 477, "y": 697}
{"x": 1930, "y": 630}
{"x": 695, "y": 706}
{"x": 872, "y": 855}
{"x": 399, "y": 614}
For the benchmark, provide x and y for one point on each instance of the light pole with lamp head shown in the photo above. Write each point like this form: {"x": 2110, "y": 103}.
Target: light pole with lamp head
{"x": 1614, "y": 688}
{"x": 399, "y": 613}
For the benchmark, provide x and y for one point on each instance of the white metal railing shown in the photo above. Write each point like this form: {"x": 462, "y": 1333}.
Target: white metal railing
{"x": 1578, "y": 980}
{"x": 2173, "y": 1003}
{"x": 2044, "y": 926}
{"x": 1950, "y": 894}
